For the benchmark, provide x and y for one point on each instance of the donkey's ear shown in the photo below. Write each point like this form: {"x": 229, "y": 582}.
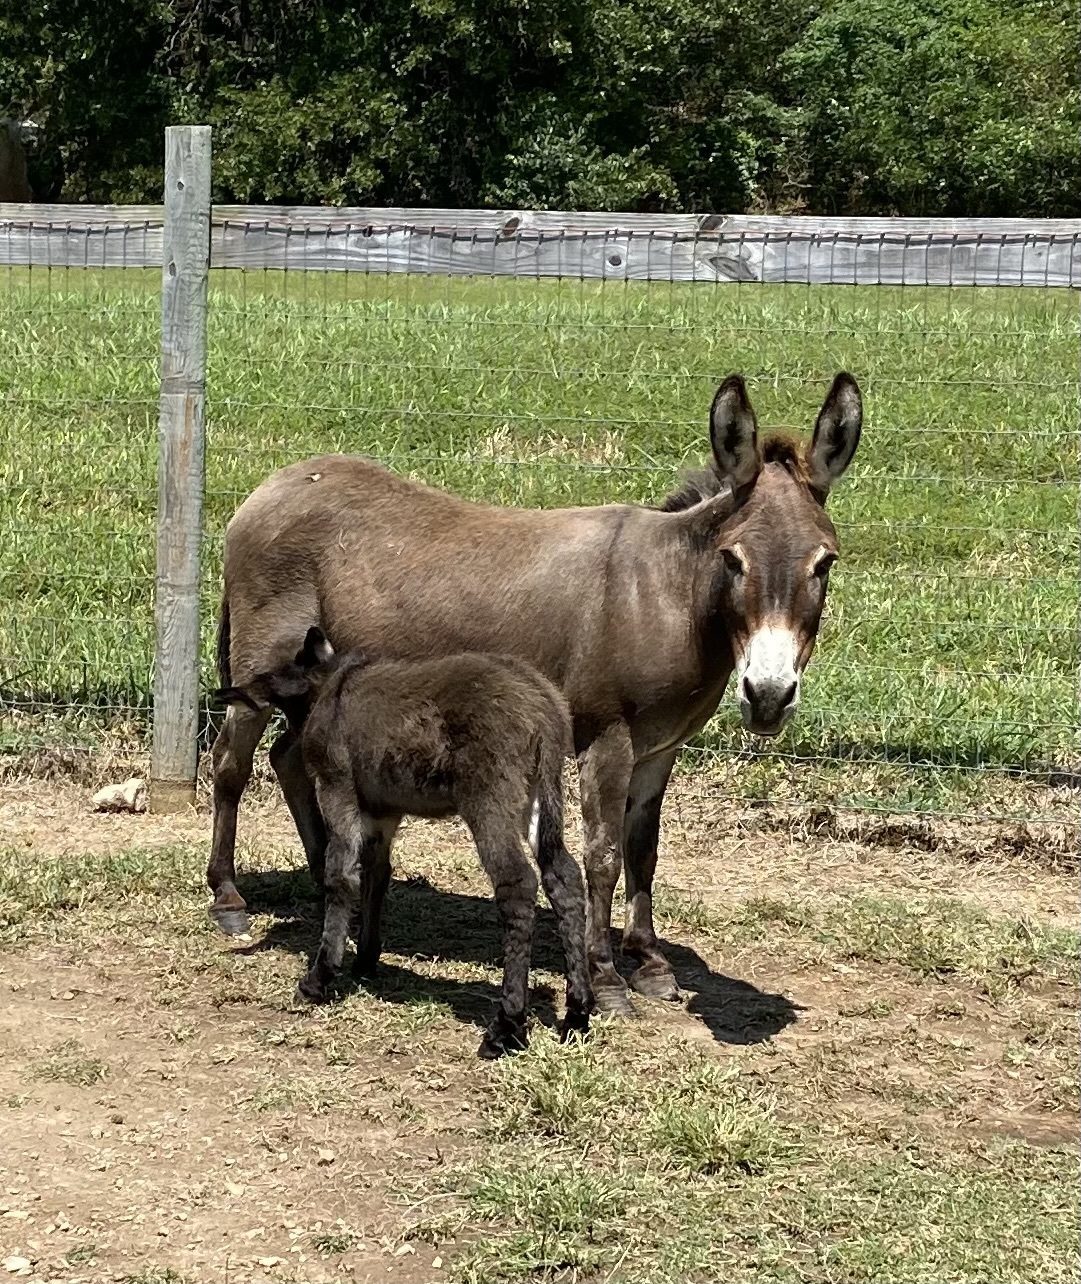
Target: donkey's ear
{"x": 733, "y": 433}
{"x": 837, "y": 433}
{"x": 316, "y": 649}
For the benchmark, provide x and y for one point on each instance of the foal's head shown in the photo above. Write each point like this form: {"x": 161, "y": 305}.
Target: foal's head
{"x": 294, "y": 687}
{"x": 775, "y": 550}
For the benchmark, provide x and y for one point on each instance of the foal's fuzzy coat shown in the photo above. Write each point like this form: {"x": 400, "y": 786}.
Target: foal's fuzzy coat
{"x": 480, "y": 736}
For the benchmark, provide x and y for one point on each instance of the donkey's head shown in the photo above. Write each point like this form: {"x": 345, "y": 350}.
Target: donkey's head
{"x": 292, "y": 688}
{"x": 776, "y": 547}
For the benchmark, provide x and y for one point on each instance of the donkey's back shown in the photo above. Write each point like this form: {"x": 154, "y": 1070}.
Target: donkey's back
{"x": 402, "y": 569}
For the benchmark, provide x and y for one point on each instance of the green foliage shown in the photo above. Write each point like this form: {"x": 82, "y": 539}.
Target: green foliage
{"x": 940, "y": 107}
{"x": 915, "y": 106}
{"x": 89, "y": 74}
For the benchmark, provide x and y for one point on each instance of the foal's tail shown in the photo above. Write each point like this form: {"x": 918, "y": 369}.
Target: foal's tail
{"x": 553, "y": 745}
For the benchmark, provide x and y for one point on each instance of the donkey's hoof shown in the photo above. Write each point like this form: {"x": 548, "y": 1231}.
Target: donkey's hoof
{"x": 653, "y": 982}
{"x": 230, "y": 922}
{"x": 613, "y": 1000}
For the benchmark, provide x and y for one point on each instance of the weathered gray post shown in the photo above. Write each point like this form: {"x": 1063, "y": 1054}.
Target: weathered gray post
{"x": 185, "y": 264}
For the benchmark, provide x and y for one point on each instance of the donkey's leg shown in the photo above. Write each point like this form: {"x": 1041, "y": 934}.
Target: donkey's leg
{"x": 653, "y": 977}
{"x": 288, "y": 764}
{"x": 562, "y": 882}
{"x": 605, "y": 771}
{"x": 232, "y": 755}
{"x": 515, "y": 886}
{"x": 374, "y": 881}
{"x": 347, "y": 835}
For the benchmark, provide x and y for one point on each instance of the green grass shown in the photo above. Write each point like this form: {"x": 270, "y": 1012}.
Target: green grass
{"x": 601, "y": 1167}
{"x": 933, "y": 937}
{"x": 929, "y": 936}
{"x": 946, "y": 676}
{"x": 48, "y": 888}
{"x": 155, "y": 1275}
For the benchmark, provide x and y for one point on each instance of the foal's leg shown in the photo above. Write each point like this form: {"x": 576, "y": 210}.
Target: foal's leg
{"x": 653, "y": 977}
{"x": 374, "y": 880}
{"x": 288, "y": 764}
{"x": 515, "y": 887}
{"x": 562, "y": 883}
{"x": 347, "y": 833}
{"x": 232, "y": 755}
{"x": 605, "y": 772}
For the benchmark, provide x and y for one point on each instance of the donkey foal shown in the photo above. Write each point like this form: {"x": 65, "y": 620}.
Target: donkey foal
{"x": 480, "y": 736}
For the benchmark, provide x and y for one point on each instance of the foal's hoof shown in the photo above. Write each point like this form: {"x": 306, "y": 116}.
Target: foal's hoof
{"x": 575, "y": 1025}
{"x": 492, "y": 1049}
{"x": 655, "y": 982}
{"x": 230, "y": 922}
{"x": 503, "y": 1037}
{"x": 612, "y": 999}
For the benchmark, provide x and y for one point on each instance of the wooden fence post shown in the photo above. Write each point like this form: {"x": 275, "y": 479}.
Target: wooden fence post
{"x": 185, "y": 265}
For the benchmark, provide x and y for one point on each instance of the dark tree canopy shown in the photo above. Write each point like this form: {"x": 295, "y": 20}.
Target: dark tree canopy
{"x": 855, "y": 106}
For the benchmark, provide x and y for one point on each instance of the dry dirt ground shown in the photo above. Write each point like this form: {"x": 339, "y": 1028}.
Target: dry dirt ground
{"x": 872, "y": 1075}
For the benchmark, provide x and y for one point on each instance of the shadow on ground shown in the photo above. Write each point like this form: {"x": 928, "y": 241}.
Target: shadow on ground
{"x": 425, "y": 922}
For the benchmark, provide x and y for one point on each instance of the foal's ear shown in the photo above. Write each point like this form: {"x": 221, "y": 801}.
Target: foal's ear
{"x": 733, "y": 433}
{"x": 316, "y": 649}
{"x": 235, "y": 695}
{"x": 837, "y": 433}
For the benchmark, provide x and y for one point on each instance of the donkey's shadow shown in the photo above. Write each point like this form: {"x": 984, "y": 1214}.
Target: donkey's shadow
{"x": 425, "y": 922}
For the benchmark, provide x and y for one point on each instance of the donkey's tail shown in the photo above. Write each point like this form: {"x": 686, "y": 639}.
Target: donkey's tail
{"x": 224, "y": 674}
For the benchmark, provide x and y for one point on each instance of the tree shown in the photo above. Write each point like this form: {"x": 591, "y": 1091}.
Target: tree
{"x": 88, "y": 72}
{"x": 949, "y": 107}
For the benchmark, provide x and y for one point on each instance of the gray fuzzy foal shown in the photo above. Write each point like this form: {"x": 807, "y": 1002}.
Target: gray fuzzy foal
{"x": 479, "y": 736}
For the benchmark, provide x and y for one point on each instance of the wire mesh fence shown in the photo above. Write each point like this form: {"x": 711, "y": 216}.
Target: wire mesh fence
{"x": 544, "y": 361}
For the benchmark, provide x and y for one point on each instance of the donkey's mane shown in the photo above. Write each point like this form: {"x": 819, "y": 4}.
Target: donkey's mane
{"x": 786, "y": 450}
{"x": 697, "y": 485}
{"x": 705, "y": 483}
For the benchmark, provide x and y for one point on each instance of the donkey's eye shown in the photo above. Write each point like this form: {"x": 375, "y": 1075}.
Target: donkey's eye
{"x": 732, "y": 561}
{"x": 822, "y": 566}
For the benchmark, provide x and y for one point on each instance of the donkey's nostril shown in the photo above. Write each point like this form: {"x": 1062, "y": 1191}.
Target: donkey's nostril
{"x": 768, "y": 699}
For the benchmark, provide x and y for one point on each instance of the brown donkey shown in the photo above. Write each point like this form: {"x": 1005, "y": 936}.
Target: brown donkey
{"x": 479, "y": 736}
{"x": 639, "y": 615}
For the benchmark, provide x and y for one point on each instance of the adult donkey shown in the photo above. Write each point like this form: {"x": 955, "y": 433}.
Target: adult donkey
{"x": 640, "y": 615}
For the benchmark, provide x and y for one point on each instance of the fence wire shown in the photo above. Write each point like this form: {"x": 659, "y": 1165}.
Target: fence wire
{"x": 946, "y": 675}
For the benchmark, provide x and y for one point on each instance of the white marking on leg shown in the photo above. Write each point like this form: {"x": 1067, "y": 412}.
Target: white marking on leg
{"x": 534, "y": 825}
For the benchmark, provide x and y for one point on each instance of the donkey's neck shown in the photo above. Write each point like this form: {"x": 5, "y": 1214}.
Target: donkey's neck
{"x": 700, "y": 532}
{"x": 668, "y": 592}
